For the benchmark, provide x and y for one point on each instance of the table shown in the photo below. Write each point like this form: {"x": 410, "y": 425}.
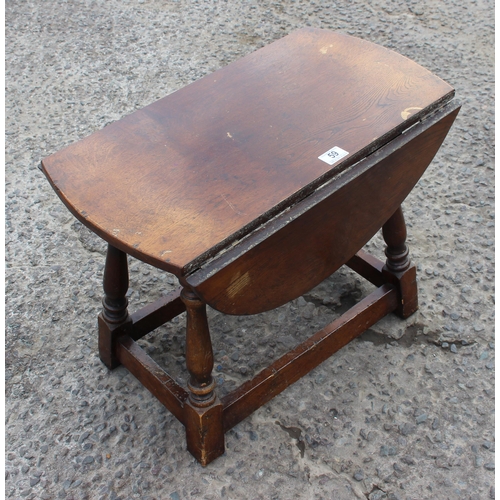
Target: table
{"x": 251, "y": 186}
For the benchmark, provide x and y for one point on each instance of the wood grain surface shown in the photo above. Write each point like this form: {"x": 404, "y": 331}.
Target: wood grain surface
{"x": 311, "y": 241}
{"x": 183, "y": 178}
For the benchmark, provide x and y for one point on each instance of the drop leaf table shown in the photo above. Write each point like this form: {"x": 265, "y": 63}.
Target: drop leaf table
{"x": 252, "y": 185}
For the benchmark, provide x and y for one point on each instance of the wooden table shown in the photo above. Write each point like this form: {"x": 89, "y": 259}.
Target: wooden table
{"x": 252, "y": 185}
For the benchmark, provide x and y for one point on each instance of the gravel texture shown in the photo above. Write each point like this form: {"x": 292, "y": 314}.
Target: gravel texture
{"x": 404, "y": 412}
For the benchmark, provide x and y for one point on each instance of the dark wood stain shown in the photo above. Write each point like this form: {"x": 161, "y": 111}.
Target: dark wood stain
{"x": 213, "y": 161}
{"x": 220, "y": 183}
{"x": 256, "y": 276}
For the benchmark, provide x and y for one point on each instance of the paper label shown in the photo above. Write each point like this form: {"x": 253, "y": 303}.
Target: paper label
{"x": 333, "y": 155}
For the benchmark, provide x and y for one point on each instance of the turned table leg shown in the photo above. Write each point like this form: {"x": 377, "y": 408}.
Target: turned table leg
{"x": 202, "y": 409}
{"x": 114, "y": 305}
{"x": 398, "y": 269}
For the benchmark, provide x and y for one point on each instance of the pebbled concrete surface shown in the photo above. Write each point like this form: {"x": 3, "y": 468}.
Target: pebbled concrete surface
{"x": 405, "y": 412}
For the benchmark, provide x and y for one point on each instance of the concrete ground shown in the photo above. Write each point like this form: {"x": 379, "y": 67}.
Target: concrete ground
{"x": 405, "y": 412}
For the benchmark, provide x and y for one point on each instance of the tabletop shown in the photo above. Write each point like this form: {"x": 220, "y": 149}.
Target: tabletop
{"x": 185, "y": 177}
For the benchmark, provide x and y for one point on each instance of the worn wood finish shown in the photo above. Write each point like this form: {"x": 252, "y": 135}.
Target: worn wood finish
{"x": 145, "y": 320}
{"x": 199, "y": 354}
{"x": 215, "y": 160}
{"x": 396, "y": 251}
{"x": 220, "y": 183}
{"x": 114, "y": 316}
{"x": 301, "y": 360}
{"x": 203, "y": 410}
{"x": 205, "y": 417}
{"x": 115, "y": 285}
{"x": 368, "y": 266}
{"x": 152, "y": 376}
{"x": 204, "y": 431}
{"x": 255, "y": 276}
{"x": 154, "y": 315}
{"x": 135, "y": 325}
